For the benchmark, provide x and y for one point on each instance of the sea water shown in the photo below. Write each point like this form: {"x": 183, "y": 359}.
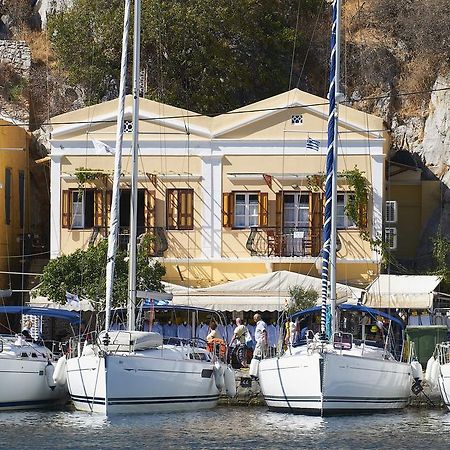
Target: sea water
{"x": 225, "y": 427}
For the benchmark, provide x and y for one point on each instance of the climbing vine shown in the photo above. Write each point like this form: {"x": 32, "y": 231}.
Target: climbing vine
{"x": 84, "y": 175}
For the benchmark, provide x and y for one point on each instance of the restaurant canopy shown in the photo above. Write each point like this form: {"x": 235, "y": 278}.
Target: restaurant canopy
{"x": 402, "y": 291}
{"x": 268, "y": 292}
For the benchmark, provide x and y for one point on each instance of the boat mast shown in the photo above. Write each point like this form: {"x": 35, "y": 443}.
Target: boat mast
{"x": 329, "y": 226}
{"x": 134, "y": 172}
{"x": 115, "y": 220}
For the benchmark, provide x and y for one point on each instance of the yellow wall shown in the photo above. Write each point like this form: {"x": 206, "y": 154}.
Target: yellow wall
{"x": 416, "y": 203}
{"x": 14, "y": 143}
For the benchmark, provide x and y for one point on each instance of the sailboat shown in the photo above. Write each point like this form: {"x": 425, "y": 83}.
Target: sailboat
{"x": 334, "y": 373}
{"x": 28, "y": 367}
{"x": 130, "y": 371}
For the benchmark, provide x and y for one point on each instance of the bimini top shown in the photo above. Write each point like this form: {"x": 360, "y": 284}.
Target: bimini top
{"x": 347, "y": 307}
{"x": 171, "y": 307}
{"x": 71, "y": 316}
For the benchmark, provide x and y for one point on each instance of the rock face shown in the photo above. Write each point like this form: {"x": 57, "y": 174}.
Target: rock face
{"x": 17, "y": 54}
{"x": 434, "y": 151}
{"x": 435, "y": 147}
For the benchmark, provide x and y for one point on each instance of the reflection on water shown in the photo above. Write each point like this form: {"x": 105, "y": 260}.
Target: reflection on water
{"x": 225, "y": 427}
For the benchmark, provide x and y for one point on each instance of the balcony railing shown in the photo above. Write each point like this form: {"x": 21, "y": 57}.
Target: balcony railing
{"x": 301, "y": 241}
{"x": 157, "y": 244}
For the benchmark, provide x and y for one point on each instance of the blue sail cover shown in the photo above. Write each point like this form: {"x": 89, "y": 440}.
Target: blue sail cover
{"x": 71, "y": 316}
{"x": 348, "y": 307}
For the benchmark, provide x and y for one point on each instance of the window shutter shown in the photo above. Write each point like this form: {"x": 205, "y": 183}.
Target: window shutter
{"x": 99, "y": 208}
{"x": 279, "y": 210}
{"x": 149, "y": 209}
{"x": 66, "y": 209}
{"x": 227, "y": 209}
{"x": 185, "y": 209}
{"x": 391, "y": 211}
{"x": 263, "y": 209}
{"x": 390, "y": 237}
{"x": 107, "y": 209}
{"x": 171, "y": 209}
{"x": 363, "y": 216}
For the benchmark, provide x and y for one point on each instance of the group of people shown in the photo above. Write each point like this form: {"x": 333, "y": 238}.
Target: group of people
{"x": 241, "y": 337}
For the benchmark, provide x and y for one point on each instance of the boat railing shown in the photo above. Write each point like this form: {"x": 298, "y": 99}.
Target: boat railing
{"x": 442, "y": 353}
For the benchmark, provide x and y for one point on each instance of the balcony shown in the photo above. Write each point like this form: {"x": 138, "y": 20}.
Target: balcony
{"x": 157, "y": 244}
{"x": 286, "y": 242}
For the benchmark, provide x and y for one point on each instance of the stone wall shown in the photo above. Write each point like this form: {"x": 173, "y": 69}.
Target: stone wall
{"x": 17, "y": 54}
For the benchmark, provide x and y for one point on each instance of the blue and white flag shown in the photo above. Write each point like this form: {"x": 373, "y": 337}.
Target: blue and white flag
{"x": 155, "y": 302}
{"x": 312, "y": 144}
{"x": 102, "y": 147}
{"x": 72, "y": 299}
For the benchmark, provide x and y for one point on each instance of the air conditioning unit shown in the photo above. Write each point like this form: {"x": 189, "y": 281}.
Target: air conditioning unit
{"x": 390, "y": 237}
{"x": 391, "y": 211}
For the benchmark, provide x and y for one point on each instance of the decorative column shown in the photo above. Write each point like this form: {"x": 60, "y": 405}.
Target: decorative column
{"x": 55, "y": 207}
{"x": 377, "y": 198}
{"x": 211, "y": 207}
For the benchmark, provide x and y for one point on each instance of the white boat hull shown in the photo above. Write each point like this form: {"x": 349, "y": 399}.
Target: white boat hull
{"x": 24, "y": 385}
{"x": 329, "y": 382}
{"x": 142, "y": 382}
{"x": 444, "y": 383}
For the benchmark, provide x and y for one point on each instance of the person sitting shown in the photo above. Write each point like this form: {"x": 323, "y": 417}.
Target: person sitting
{"x": 26, "y": 331}
{"x": 215, "y": 342}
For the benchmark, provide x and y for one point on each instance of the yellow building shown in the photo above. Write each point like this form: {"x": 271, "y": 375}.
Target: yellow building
{"x": 226, "y": 197}
{"x": 411, "y": 202}
{"x": 14, "y": 182}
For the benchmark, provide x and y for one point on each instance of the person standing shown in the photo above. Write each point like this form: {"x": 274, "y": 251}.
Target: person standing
{"x": 239, "y": 336}
{"x": 261, "y": 345}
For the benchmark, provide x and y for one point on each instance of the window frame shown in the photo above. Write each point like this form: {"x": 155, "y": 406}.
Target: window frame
{"x": 348, "y": 223}
{"x": 391, "y": 205}
{"x": 390, "y": 238}
{"x": 246, "y": 214}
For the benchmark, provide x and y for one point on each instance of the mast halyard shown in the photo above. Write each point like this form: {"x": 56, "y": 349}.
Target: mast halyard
{"x": 134, "y": 174}
{"x": 329, "y": 226}
{"x": 115, "y": 219}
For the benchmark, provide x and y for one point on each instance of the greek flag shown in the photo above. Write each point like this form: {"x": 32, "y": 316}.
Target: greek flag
{"x": 102, "y": 147}
{"x": 72, "y": 299}
{"x": 312, "y": 144}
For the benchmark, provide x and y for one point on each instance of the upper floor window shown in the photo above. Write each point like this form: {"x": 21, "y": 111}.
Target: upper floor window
{"x": 391, "y": 211}
{"x": 180, "y": 209}
{"x": 296, "y": 210}
{"x": 244, "y": 209}
{"x": 78, "y": 209}
{"x": 8, "y": 176}
{"x": 342, "y": 220}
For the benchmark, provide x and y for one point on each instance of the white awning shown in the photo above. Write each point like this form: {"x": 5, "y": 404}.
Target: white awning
{"x": 402, "y": 291}
{"x": 231, "y": 303}
{"x": 268, "y": 292}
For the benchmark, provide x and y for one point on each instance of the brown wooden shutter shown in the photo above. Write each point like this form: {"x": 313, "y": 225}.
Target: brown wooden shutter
{"x": 363, "y": 216}
{"x": 316, "y": 220}
{"x": 171, "y": 208}
{"x": 263, "y": 200}
{"x": 66, "y": 209}
{"x": 99, "y": 208}
{"x": 279, "y": 211}
{"x": 107, "y": 209}
{"x": 149, "y": 208}
{"x": 227, "y": 209}
{"x": 185, "y": 209}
